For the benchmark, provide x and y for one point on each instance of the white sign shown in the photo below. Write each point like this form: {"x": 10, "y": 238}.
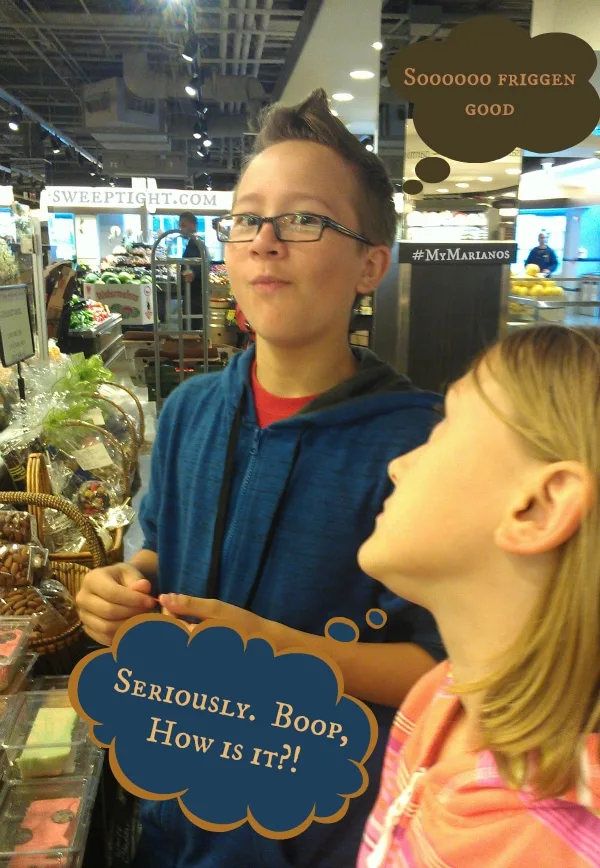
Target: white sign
{"x": 133, "y": 301}
{"x": 16, "y": 336}
{"x": 117, "y": 198}
{"x": 92, "y": 457}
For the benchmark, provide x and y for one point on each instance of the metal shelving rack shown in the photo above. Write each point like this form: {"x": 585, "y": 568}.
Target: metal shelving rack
{"x": 172, "y": 284}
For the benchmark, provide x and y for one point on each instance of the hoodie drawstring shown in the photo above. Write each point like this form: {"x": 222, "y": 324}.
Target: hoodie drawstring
{"x": 212, "y": 584}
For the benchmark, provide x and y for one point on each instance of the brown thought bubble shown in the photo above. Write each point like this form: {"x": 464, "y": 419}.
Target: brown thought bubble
{"x": 412, "y": 188}
{"x": 547, "y": 105}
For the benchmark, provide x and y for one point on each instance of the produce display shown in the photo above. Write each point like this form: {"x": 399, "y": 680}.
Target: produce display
{"x": 86, "y": 314}
{"x": 533, "y": 285}
{"x": 9, "y": 270}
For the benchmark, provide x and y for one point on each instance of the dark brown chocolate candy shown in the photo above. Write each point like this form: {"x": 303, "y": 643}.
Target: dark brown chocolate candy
{"x": 23, "y": 836}
{"x": 62, "y": 816}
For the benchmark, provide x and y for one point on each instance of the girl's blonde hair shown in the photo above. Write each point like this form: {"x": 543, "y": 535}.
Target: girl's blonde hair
{"x": 543, "y": 700}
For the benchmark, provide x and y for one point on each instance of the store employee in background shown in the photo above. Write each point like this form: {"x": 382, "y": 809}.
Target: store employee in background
{"x": 543, "y": 256}
{"x": 188, "y": 226}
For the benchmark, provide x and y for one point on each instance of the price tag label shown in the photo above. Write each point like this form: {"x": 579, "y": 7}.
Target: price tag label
{"x": 94, "y": 417}
{"x": 93, "y": 457}
{"x": 16, "y": 334}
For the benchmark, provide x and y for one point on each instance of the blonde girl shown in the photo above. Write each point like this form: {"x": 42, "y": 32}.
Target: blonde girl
{"x": 494, "y": 526}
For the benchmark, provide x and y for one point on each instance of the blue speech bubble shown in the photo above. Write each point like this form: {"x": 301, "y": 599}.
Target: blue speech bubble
{"x": 234, "y": 730}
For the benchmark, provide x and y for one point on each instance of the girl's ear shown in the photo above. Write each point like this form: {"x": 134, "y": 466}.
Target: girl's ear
{"x": 549, "y": 511}
{"x": 375, "y": 267}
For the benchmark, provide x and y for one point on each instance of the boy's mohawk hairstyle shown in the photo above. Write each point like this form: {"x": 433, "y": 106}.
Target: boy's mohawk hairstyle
{"x": 312, "y": 121}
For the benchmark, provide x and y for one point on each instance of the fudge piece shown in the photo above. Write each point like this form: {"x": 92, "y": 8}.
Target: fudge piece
{"x": 49, "y": 824}
{"x": 10, "y": 641}
{"x": 48, "y": 751}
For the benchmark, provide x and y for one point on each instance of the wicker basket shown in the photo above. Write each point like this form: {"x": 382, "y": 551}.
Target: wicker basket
{"x": 63, "y": 646}
{"x": 130, "y": 455}
{"x": 38, "y": 482}
{"x": 141, "y": 424}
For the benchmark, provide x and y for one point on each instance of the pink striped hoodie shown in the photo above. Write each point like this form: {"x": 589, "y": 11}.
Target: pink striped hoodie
{"x": 458, "y": 813}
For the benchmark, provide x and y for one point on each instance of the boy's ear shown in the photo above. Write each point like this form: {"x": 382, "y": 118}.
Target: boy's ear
{"x": 375, "y": 267}
{"x": 549, "y": 511}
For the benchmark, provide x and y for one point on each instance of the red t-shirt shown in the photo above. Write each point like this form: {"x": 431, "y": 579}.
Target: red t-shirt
{"x": 271, "y": 408}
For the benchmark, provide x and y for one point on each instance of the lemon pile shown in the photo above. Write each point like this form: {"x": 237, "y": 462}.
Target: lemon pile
{"x": 532, "y": 285}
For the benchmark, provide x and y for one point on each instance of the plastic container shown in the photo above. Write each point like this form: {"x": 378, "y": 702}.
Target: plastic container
{"x": 21, "y": 680}
{"x": 47, "y": 738}
{"x": 14, "y": 636}
{"x": 50, "y": 682}
{"x": 9, "y": 705}
{"x": 46, "y": 823}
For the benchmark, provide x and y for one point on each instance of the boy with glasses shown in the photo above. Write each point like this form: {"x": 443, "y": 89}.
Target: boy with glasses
{"x": 266, "y": 479}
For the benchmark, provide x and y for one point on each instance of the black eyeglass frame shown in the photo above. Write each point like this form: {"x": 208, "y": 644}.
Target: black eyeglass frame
{"x": 326, "y": 223}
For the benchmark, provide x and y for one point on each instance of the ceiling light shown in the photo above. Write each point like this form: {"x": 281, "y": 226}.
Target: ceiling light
{"x": 442, "y": 190}
{"x": 207, "y": 143}
{"x": 191, "y": 49}
{"x": 377, "y": 46}
{"x": 464, "y": 186}
{"x": 335, "y": 113}
{"x": 362, "y": 74}
{"x": 113, "y": 183}
{"x": 513, "y": 171}
{"x": 201, "y": 154}
{"x": 370, "y": 148}
{"x": 342, "y": 97}
{"x": 485, "y": 178}
{"x": 93, "y": 174}
{"x": 510, "y": 195}
{"x": 13, "y": 124}
{"x": 192, "y": 88}
{"x": 508, "y": 212}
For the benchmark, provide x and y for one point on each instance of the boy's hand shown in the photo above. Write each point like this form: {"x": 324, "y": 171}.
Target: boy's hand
{"x": 110, "y": 596}
{"x": 202, "y": 609}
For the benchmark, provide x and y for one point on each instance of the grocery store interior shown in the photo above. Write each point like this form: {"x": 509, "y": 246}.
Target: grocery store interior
{"x": 116, "y": 118}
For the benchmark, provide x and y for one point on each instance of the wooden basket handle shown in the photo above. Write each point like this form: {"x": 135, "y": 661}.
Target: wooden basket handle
{"x": 51, "y": 501}
{"x": 137, "y": 404}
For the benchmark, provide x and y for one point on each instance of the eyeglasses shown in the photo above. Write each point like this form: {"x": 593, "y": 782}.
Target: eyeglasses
{"x": 236, "y": 228}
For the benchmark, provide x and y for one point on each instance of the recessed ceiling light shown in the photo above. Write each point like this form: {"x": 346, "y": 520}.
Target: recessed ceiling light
{"x": 485, "y": 178}
{"x": 335, "y": 113}
{"x": 362, "y": 74}
{"x": 461, "y": 185}
{"x": 442, "y": 190}
{"x": 342, "y": 97}
{"x": 377, "y": 46}
{"x": 513, "y": 171}
{"x": 370, "y": 148}
{"x": 207, "y": 143}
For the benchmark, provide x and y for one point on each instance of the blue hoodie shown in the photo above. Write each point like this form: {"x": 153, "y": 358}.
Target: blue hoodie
{"x": 294, "y": 502}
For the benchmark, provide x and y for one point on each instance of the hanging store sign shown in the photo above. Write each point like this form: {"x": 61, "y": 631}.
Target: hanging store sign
{"x": 16, "y": 333}
{"x": 127, "y": 198}
{"x": 466, "y": 253}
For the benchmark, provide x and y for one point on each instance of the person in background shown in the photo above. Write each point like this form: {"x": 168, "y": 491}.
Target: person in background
{"x": 543, "y": 256}
{"x": 266, "y": 478}
{"x": 188, "y": 226}
{"x": 494, "y": 757}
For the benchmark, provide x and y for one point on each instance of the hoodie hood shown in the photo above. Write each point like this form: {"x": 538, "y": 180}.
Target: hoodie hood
{"x": 374, "y": 388}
